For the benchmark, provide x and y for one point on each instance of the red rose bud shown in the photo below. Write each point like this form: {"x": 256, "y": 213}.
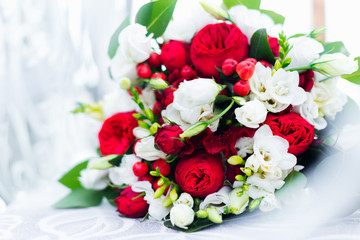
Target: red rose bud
{"x": 200, "y": 174}
{"x": 253, "y": 60}
{"x": 242, "y": 88}
{"x": 156, "y": 186}
{"x": 168, "y": 140}
{"x": 188, "y": 73}
{"x": 229, "y": 66}
{"x": 167, "y": 97}
{"x": 157, "y": 108}
{"x": 140, "y": 169}
{"x": 116, "y": 134}
{"x": 130, "y": 207}
{"x": 159, "y": 75}
{"x": 147, "y": 177}
{"x": 163, "y": 166}
{"x": 265, "y": 63}
{"x": 295, "y": 129}
{"x": 143, "y": 70}
{"x": 174, "y": 55}
{"x": 213, "y": 44}
{"x": 274, "y": 46}
{"x": 154, "y": 60}
{"x": 245, "y": 69}
{"x": 306, "y": 80}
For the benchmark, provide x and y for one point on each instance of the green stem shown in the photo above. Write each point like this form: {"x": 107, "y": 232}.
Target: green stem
{"x": 221, "y": 114}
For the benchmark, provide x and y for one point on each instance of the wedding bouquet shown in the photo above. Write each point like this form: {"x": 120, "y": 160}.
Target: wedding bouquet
{"x": 215, "y": 114}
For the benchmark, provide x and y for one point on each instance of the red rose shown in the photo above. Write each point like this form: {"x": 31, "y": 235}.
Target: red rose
{"x": 213, "y": 44}
{"x": 200, "y": 174}
{"x": 174, "y": 55}
{"x": 167, "y": 139}
{"x": 131, "y": 208}
{"x": 306, "y": 80}
{"x": 274, "y": 46}
{"x": 167, "y": 97}
{"x": 175, "y": 78}
{"x": 116, "y": 134}
{"x": 296, "y": 130}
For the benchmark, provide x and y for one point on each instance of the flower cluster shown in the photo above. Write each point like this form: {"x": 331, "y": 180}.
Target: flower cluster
{"x": 210, "y": 121}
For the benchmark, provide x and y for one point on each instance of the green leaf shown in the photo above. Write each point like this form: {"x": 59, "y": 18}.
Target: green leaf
{"x": 260, "y": 48}
{"x": 80, "y": 198}
{"x": 277, "y": 18}
{"x": 155, "y": 16}
{"x": 71, "y": 178}
{"x": 355, "y": 76}
{"x": 111, "y": 194}
{"x": 251, "y": 4}
{"x": 335, "y": 47}
{"x": 294, "y": 182}
{"x": 114, "y": 42}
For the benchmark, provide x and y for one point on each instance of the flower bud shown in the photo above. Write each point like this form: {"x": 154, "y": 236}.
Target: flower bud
{"x": 154, "y": 173}
{"x": 247, "y": 171}
{"x": 194, "y": 129}
{"x": 235, "y": 160}
{"x": 238, "y": 204}
{"x": 186, "y": 199}
{"x": 154, "y": 128}
{"x": 94, "y": 110}
{"x": 201, "y": 214}
{"x": 158, "y": 83}
{"x": 125, "y": 83}
{"x": 239, "y": 178}
{"x": 239, "y": 100}
{"x": 167, "y": 202}
{"x": 173, "y": 195}
{"x": 149, "y": 114}
{"x": 160, "y": 182}
{"x": 103, "y": 163}
{"x": 143, "y": 124}
{"x": 215, "y": 11}
{"x": 159, "y": 192}
{"x": 336, "y": 64}
{"x": 213, "y": 215}
{"x": 246, "y": 187}
{"x": 181, "y": 215}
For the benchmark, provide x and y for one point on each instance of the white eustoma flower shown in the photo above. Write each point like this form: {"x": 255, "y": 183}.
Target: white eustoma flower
{"x": 309, "y": 110}
{"x": 117, "y": 101}
{"x": 145, "y": 149}
{"x": 250, "y": 20}
{"x": 269, "y": 203}
{"x": 238, "y": 204}
{"x": 134, "y": 47}
{"x": 251, "y": 114}
{"x": 336, "y": 64}
{"x": 181, "y": 215}
{"x": 156, "y": 210}
{"x": 244, "y": 146}
{"x": 94, "y": 178}
{"x": 186, "y": 199}
{"x": 218, "y": 200}
{"x": 124, "y": 173}
{"x": 304, "y": 51}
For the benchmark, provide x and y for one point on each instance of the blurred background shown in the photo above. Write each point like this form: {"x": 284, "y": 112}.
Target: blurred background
{"x": 53, "y": 54}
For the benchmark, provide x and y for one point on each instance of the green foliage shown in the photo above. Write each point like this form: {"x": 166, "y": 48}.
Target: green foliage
{"x": 335, "y": 47}
{"x": 80, "y": 198}
{"x": 277, "y": 18}
{"x": 355, "y": 76}
{"x": 294, "y": 182}
{"x": 114, "y": 42}
{"x": 71, "y": 178}
{"x": 260, "y": 48}
{"x": 156, "y": 15}
{"x": 251, "y": 4}
{"x": 285, "y": 48}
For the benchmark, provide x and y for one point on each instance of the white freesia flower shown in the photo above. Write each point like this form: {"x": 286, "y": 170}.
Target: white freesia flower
{"x": 181, "y": 215}
{"x": 218, "y": 200}
{"x": 94, "y": 178}
{"x": 124, "y": 173}
{"x": 258, "y": 82}
{"x": 117, "y": 101}
{"x": 140, "y": 132}
{"x": 269, "y": 203}
{"x": 134, "y": 47}
{"x": 186, "y": 199}
{"x": 250, "y": 20}
{"x": 156, "y": 210}
{"x": 336, "y": 64}
{"x": 251, "y": 114}
{"x": 145, "y": 149}
{"x": 309, "y": 110}
{"x": 259, "y": 186}
{"x": 244, "y": 146}
{"x": 304, "y": 50}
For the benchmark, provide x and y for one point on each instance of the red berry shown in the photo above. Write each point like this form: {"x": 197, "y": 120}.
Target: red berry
{"x": 242, "y": 88}
{"x": 159, "y": 75}
{"x": 147, "y": 178}
{"x": 188, "y": 73}
{"x": 253, "y": 60}
{"x": 155, "y": 186}
{"x": 245, "y": 69}
{"x": 140, "y": 169}
{"x": 229, "y": 66}
{"x": 143, "y": 70}
{"x": 154, "y": 60}
{"x": 265, "y": 63}
{"x": 163, "y": 166}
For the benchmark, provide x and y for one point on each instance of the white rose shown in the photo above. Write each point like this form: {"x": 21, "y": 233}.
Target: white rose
{"x": 304, "y": 51}
{"x": 218, "y": 200}
{"x": 250, "y": 20}
{"x": 269, "y": 203}
{"x": 336, "y": 64}
{"x": 251, "y": 114}
{"x": 116, "y": 102}
{"x": 186, "y": 199}
{"x": 124, "y": 173}
{"x": 174, "y": 115}
{"x": 244, "y": 146}
{"x": 181, "y": 215}
{"x": 94, "y": 178}
{"x": 145, "y": 149}
{"x": 121, "y": 66}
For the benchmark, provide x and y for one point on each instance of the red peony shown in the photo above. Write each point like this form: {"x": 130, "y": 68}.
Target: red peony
{"x": 174, "y": 55}
{"x": 200, "y": 174}
{"x": 215, "y": 43}
{"x": 116, "y": 134}
{"x": 306, "y": 80}
{"x": 131, "y": 208}
{"x": 295, "y": 129}
{"x": 167, "y": 139}
{"x": 232, "y": 171}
